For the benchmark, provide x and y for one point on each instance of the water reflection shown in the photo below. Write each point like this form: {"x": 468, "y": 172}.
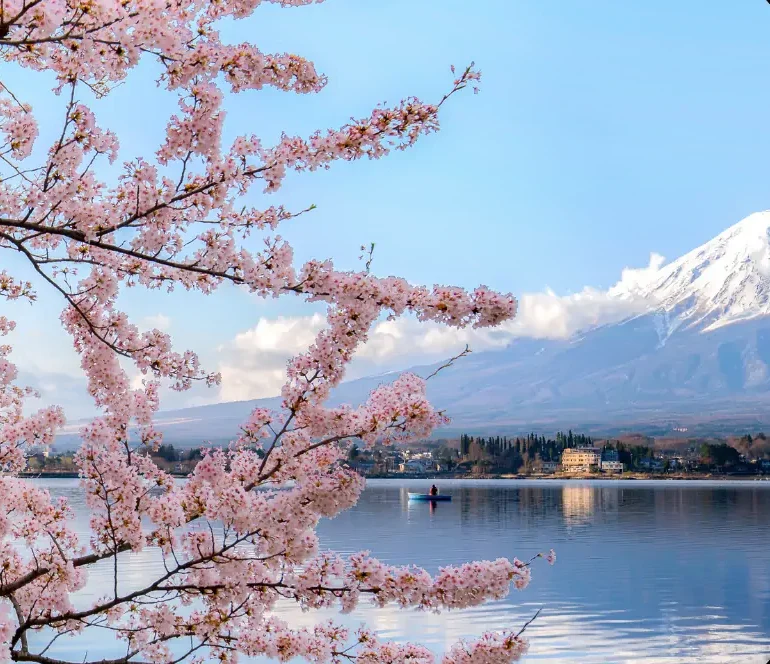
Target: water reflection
{"x": 577, "y": 503}
{"x": 646, "y": 572}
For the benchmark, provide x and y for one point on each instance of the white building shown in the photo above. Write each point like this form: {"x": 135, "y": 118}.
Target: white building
{"x": 415, "y": 466}
{"x": 581, "y": 458}
{"x": 612, "y": 466}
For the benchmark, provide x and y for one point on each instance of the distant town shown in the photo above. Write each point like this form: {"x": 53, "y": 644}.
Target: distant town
{"x": 567, "y": 455}
{"x": 564, "y": 455}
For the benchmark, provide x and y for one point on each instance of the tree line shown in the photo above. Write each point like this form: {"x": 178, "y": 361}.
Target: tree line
{"x": 527, "y": 453}
{"x": 504, "y": 454}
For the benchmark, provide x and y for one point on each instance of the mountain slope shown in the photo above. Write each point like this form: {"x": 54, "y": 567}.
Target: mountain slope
{"x": 699, "y": 356}
{"x": 724, "y": 281}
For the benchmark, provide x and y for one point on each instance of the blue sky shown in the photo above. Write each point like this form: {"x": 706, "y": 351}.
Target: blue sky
{"x": 604, "y": 131}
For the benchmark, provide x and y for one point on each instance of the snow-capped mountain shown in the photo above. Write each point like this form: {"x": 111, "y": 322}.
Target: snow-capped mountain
{"x": 724, "y": 281}
{"x": 698, "y": 357}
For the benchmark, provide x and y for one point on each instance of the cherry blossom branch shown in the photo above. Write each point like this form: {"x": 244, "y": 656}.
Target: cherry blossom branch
{"x": 240, "y": 533}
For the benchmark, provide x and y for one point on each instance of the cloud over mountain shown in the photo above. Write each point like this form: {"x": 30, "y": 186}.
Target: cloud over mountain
{"x": 686, "y": 343}
{"x": 253, "y": 363}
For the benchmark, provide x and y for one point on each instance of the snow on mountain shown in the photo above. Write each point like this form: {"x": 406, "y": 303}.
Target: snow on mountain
{"x": 698, "y": 356}
{"x": 723, "y": 281}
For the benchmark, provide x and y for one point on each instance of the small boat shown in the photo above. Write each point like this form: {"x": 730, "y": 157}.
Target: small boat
{"x": 428, "y": 498}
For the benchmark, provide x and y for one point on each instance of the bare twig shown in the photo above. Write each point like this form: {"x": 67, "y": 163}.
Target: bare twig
{"x": 451, "y": 361}
{"x": 369, "y": 253}
{"x": 528, "y": 623}
{"x": 8, "y": 90}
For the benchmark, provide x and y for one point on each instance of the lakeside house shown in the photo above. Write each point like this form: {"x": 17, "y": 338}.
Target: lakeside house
{"x": 415, "y": 466}
{"x": 549, "y": 466}
{"x": 612, "y": 466}
{"x": 581, "y": 458}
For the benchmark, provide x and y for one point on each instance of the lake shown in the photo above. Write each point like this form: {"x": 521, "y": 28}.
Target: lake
{"x": 645, "y": 571}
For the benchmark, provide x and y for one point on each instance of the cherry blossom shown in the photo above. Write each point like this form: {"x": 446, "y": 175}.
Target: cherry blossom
{"x": 238, "y": 536}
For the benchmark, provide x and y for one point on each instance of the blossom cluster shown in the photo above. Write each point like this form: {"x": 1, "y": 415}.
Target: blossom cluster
{"x": 240, "y": 534}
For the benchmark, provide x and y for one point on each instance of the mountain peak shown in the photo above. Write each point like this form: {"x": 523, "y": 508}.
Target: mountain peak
{"x": 725, "y": 280}
{"x": 756, "y": 221}
{"x": 634, "y": 372}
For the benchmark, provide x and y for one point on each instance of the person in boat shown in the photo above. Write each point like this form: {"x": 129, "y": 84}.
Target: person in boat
{"x": 434, "y": 490}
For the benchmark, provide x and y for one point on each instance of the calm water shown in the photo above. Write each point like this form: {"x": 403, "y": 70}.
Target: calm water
{"x": 646, "y": 571}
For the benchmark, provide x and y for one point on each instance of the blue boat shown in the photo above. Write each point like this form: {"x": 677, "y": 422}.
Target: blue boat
{"x": 428, "y": 498}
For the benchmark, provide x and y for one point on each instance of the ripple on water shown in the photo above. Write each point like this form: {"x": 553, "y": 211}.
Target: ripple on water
{"x": 646, "y": 572}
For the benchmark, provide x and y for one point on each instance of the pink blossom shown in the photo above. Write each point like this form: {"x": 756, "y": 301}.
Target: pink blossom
{"x": 240, "y": 533}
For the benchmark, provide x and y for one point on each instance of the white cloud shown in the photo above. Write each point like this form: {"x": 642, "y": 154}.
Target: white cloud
{"x": 550, "y": 316}
{"x": 253, "y": 364}
{"x": 284, "y": 334}
{"x": 158, "y": 322}
{"x": 635, "y": 281}
{"x": 408, "y": 338}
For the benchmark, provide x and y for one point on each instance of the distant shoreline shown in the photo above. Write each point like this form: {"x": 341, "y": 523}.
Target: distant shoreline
{"x": 693, "y": 477}
{"x": 49, "y": 476}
